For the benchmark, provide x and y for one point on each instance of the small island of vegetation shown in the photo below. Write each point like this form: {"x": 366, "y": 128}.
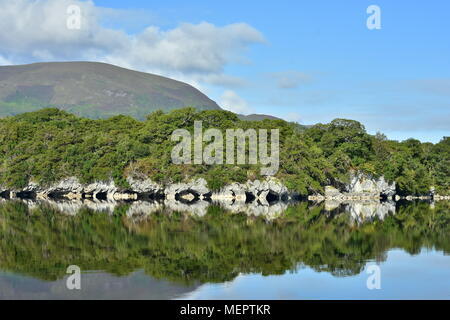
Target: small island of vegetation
{"x": 48, "y": 145}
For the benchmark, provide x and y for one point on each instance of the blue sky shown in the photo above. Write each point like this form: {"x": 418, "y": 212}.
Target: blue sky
{"x": 306, "y": 61}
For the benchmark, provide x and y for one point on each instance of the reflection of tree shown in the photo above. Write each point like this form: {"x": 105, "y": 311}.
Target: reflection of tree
{"x": 217, "y": 247}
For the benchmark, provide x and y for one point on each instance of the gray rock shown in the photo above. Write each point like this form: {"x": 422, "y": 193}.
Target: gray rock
{"x": 364, "y": 183}
{"x": 144, "y": 186}
{"x": 259, "y": 189}
{"x": 199, "y": 186}
{"x": 331, "y": 191}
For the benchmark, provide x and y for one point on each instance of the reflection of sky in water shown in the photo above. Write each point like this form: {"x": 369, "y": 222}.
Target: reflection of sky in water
{"x": 424, "y": 276}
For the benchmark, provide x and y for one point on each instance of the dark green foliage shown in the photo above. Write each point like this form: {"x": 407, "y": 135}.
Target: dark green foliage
{"x": 41, "y": 242}
{"x": 415, "y": 166}
{"x": 48, "y": 145}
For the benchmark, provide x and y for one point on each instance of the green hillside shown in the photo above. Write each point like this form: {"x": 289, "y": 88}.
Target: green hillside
{"x": 93, "y": 90}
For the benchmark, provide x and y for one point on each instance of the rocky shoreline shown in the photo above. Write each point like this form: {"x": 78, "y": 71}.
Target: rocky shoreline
{"x": 364, "y": 197}
{"x": 267, "y": 192}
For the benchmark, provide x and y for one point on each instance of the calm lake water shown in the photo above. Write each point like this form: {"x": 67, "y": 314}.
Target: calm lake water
{"x": 176, "y": 251}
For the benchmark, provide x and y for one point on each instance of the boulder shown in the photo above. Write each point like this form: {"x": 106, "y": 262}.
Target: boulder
{"x": 199, "y": 186}
{"x": 144, "y": 185}
{"x": 364, "y": 183}
{"x": 331, "y": 191}
{"x": 259, "y": 189}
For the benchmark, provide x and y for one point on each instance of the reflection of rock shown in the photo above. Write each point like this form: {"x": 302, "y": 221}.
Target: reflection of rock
{"x": 268, "y": 212}
{"x": 198, "y": 208}
{"x": 140, "y": 210}
{"x": 255, "y": 208}
{"x": 230, "y": 192}
{"x": 266, "y": 198}
{"x": 367, "y": 211}
{"x": 73, "y": 207}
{"x": 70, "y": 208}
{"x": 331, "y": 205}
{"x": 362, "y": 211}
{"x": 100, "y": 206}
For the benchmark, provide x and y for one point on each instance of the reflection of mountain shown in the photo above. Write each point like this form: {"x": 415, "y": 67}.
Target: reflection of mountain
{"x": 40, "y": 241}
{"x": 94, "y": 285}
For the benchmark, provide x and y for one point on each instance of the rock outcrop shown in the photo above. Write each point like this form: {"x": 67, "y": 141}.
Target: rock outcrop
{"x": 362, "y": 187}
{"x": 267, "y": 191}
{"x": 145, "y": 186}
{"x": 361, "y": 183}
{"x": 198, "y": 189}
{"x": 71, "y": 188}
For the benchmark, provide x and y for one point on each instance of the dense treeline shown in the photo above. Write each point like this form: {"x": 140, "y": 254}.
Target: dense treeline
{"x": 48, "y": 145}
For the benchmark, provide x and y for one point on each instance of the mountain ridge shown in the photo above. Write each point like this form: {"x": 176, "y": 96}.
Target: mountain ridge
{"x": 94, "y": 90}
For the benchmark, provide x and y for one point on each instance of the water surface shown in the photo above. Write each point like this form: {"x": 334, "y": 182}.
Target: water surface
{"x": 162, "y": 251}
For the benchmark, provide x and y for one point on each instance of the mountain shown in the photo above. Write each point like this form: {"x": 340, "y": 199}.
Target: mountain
{"x": 94, "y": 90}
{"x": 257, "y": 117}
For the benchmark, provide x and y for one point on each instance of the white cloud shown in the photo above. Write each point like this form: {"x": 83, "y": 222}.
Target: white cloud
{"x": 232, "y": 102}
{"x": 38, "y": 30}
{"x": 195, "y": 53}
{"x": 202, "y": 48}
{"x": 4, "y": 61}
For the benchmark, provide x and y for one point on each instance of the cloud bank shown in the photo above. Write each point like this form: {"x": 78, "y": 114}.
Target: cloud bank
{"x": 195, "y": 53}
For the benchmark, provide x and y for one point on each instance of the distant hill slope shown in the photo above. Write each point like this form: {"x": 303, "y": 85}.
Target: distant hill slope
{"x": 260, "y": 117}
{"x": 92, "y": 89}
{"x": 257, "y": 117}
